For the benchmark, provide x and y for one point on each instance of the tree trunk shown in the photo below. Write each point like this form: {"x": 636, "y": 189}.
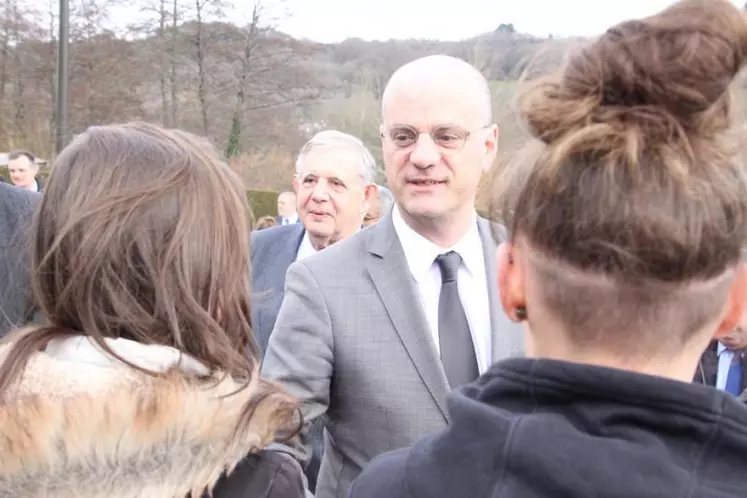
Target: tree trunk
{"x": 161, "y": 69}
{"x": 174, "y": 89}
{"x": 201, "y": 85}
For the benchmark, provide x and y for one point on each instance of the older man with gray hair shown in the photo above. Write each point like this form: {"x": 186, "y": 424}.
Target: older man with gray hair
{"x": 334, "y": 184}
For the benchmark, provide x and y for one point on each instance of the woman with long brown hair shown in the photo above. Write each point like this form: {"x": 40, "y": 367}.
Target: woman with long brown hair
{"x": 143, "y": 382}
{"x": 626, "y": 225}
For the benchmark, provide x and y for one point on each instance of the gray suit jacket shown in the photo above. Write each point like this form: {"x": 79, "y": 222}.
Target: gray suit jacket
{"x": 273, "y": 251}
{"x": 352, "y": 342}
{"x": 16, "y": 212}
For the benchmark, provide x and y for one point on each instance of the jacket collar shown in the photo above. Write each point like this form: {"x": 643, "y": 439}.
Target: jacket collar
{"x": 85, "y": 430}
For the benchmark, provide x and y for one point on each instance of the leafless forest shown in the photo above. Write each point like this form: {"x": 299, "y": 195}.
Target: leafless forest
{"x": 256, "y": 93}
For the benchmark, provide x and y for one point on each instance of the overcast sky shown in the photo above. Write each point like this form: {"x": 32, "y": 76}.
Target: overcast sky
{"x": 335, "y": 20}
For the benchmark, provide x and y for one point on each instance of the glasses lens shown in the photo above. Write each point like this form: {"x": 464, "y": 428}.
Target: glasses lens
{"x": 403, "y": 137}
{"x": 449, "y": 138}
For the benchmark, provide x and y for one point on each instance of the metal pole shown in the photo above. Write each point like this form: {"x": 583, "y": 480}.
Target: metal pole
{"x": 63, "y": 42}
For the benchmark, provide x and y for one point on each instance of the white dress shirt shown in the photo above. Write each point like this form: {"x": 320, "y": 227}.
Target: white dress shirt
{"x": 725, "y": 357}
{"x": 289, "y": 220}
{"x": 306, "y": 249}
{"x": 472, "y": 282}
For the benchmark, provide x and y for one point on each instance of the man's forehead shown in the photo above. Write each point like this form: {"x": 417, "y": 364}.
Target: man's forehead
{"x": 434, "y": 108}
{"x": 20, "y": 162}
{"x": 331, "y": 161}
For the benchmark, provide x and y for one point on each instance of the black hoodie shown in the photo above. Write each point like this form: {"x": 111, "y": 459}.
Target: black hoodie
{"x": 549, "y": 429}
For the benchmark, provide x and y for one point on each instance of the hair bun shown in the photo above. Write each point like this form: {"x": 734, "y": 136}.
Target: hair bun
{"x": 668, "y": 71}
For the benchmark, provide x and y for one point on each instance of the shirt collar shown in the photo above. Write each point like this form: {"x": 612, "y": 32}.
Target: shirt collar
{"x": 420, "y": 252}
{"x": 306, "y": 248}
{"x": 720, "y": 348}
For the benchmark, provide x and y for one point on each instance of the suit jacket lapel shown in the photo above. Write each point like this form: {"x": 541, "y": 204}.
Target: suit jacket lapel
{"x": 267, "y": 303}
{"x": 287, "y": 251}
{"x": 391, "y": 276}
{"x": 506, "y": 340}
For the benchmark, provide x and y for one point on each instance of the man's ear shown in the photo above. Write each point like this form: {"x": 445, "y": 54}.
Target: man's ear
{"x": 491, "y": 147}
{"x": 511, "y": 274}
{"x": 369, "y": 193}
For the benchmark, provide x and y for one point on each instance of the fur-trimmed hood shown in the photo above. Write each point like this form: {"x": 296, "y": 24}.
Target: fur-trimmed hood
{"x": 71, "y": 429}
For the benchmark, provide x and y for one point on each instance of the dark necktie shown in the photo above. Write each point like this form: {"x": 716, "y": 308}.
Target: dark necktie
{"x": 457, "y": 351}
{"x": 734, "y": 377}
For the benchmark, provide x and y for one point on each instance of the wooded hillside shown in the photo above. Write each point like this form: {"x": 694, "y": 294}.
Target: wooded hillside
{"x": 256, "y": 93}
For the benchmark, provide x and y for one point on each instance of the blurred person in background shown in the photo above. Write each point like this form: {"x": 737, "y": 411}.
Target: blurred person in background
{"x": 23, "y": 169}
{"x": 144, "y": 380}
{"x": 287, "y": 214}
{"x": 265, "y": 222}
{"x": 723, "y": 364}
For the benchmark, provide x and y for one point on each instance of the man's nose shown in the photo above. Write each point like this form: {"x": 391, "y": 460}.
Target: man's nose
{"x": 425, "y": 152}
{"x": 321, "y": 190}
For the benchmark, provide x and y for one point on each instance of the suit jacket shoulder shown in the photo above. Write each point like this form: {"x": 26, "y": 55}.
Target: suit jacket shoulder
{"x": 273, "y": 250}
{"x": 261, "y": 240}
{"x": 16, "y": 213}
{"x": 16, "y": 210}
{"x": 345, "y": 252}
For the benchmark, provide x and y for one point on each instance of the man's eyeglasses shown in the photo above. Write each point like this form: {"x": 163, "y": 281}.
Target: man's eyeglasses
{"x": 448, "y": 139}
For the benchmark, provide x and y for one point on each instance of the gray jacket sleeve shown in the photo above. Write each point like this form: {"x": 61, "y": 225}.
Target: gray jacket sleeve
{"x": 300, "y": 354}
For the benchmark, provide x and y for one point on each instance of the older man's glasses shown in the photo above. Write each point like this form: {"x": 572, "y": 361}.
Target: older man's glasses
{"x": 447, "y": 138}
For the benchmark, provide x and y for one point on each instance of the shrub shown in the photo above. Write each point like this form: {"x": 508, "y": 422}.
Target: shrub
{"x": 262, "y": 202}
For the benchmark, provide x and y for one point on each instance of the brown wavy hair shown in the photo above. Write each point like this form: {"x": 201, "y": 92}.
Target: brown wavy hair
{"x": 634, "y": 187}
{"x": 142, "y": 234}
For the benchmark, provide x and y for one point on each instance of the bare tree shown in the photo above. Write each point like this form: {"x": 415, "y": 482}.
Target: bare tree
{"x": 162, "y": 77}
{"x": 16, "y": 34}
{"x": 267, "y": 74}
{"x": 156, "y": 27}
{"x": 173, "y": 55}
{"x": 359, "y": 114}
{"x": 203, "y": 10}
{"x": 5, "y": 40}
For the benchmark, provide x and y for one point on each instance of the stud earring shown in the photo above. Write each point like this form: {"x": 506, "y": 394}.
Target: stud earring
{"x": 521, "y": 313}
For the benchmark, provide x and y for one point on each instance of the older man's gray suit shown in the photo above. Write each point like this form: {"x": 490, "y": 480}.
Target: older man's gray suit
{"x": 273, "y": 251}
{"x": 352, "y": 342}
{"x": 16, "y": 212}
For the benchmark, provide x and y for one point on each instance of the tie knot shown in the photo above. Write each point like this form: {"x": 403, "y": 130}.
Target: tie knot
{"x": 449, "y": 265}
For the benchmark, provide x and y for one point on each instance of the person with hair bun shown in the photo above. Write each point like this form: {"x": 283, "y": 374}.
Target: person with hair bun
{"x": 627, "y": 214}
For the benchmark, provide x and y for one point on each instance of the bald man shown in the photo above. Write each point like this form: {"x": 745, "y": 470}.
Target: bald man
{"x": 375, "y": 330}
